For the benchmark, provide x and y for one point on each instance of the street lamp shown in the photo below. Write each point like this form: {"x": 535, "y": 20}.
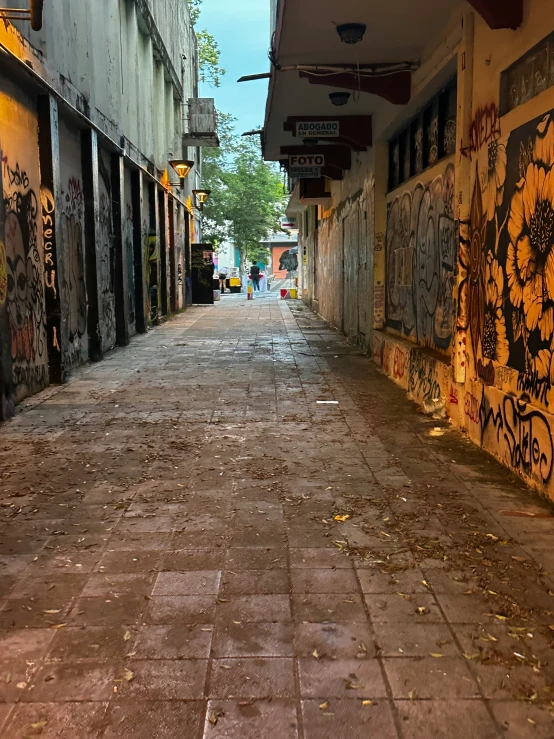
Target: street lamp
{"x": 201, "y": 196}
{"x": 182, "y": 167}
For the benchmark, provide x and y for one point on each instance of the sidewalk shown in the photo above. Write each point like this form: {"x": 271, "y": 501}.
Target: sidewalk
{"x": 193, "y": 544}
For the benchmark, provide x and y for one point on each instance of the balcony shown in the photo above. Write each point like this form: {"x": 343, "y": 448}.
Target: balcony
{"x": 201, "y": 123}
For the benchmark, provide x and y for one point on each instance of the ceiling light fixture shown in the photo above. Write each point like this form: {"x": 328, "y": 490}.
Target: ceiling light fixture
{"x": 339, "y": 98}
{"x": 351, "y": 33}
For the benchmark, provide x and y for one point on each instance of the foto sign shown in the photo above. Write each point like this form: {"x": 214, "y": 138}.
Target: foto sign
{"x": 306, "y": 165}
{"x": 317, "y": 129}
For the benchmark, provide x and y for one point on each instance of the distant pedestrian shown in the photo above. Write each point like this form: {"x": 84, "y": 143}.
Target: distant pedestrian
{"x": 222, "y": 280}
{"x": 255, "y": 275}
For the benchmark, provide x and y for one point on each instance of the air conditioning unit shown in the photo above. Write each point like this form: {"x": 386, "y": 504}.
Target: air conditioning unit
{"x": 201, "y": 123}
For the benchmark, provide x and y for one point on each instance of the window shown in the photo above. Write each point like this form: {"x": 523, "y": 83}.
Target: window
{"x": 428, "y": 137}
{"x": 528, "y": 77}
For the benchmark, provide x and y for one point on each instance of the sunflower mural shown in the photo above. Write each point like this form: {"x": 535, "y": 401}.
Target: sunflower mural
{"x": 510, "y": 291}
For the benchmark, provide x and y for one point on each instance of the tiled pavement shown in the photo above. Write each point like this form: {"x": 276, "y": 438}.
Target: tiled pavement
{"x": 171, "y": 565}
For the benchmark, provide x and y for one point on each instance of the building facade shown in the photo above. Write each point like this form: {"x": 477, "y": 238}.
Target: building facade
{"x": 429, "y": 238}
{"x": 95, "y": 230}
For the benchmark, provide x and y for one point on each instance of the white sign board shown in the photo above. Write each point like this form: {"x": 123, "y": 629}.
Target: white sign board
{"x": 305, "y": 172}
{"x": 317, "y": 129}
{"x": 306, "y": 165}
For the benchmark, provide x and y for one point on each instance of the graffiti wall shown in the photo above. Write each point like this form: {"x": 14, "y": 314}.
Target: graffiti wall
{"x": 421, "y": 243}
{"x": 106, "y": 254}
{"x": 21, "y": 254}
{"x": 74, "y": 294}
{"x": 129, "y": 253}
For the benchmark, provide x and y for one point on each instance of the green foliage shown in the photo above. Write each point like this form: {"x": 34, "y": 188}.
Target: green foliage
{"x": 209, "y": 54}
{"x": 247, "y": 200}
{"x": 209, "y": 58}
{"x": 195, "y": 6}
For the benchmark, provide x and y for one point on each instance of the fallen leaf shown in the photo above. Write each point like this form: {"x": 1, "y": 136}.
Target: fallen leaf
{"x": 367, "y": 703}
{"x": 315, "y": 654}
{"x": 8, "y": 678}
{"x": 226, "y": 667}
{"x": 342, "y": 518}
{"x": 476, "y": 655}
{"x": 324, "y": 706}
{"x": 519, "y": 559}
{"x": 129, "y": 675}
{"x": 52, "y": 612}
{"x": 437, "y": 655}
{"x": 349, "y": 685}
{"x": 39, "y": 725}
{"x": 412, "y": 695}
{"x": 127, "y": 636}
{"x": 213, "y": 718}
{"x": 58, "y": 626}
{"x": 500, "y": 617}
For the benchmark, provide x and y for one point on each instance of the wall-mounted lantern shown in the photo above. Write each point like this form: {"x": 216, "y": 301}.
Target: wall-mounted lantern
{"x": 182, "y": 167}
{"x": 201, "y": 197}
{"x": 339, "y": 98}
{"x": 351, "y": 33}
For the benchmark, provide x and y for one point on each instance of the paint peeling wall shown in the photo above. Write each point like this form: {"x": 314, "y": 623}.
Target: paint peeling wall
{"x": 21, "y": 253}
{"x": 420, "y": 250}
{"x": 74, "y": 295}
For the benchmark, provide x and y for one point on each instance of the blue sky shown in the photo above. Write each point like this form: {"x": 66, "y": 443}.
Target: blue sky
{"x": 242, "y": 32}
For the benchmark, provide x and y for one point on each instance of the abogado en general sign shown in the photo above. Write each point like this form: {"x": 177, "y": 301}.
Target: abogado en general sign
{"x": 306, "y": 165}
{"x": 318, "y": 129}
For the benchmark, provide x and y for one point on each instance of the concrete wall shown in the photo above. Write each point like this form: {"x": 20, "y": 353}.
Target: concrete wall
{"x": 92, "y": 109}
{"x": 462, "y": 255}
{"x": 21, "y": 249}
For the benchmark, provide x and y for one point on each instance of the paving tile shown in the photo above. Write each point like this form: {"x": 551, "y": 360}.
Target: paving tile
{"x": 154, "y": 719}
{"x": 341, "y": 678}
{"x": 348, "y": 718}
{"x": 107, "y": 611}
{"x": 93, "y": 643}
{"x": 455, "y": 719}
{"x": 244, "y": 558}
{"x": 252, "y": 678}
{"x": 158, "y": 680}
{"x": 395, "y": 608}
{"x": 253, "y": 608}
{"x": 184, "y": 609}
{"x": 25, "y": 644}
{"x": 53, "y": 586}
{"x": 521, "y": 720}
{"x": 429, "y": 677}
{"x": 334, "y": 640}
{"x": 187, "y": 583}
{"x": 83, "y": 720}
{"x": 258, "y": 719}
{"x": 139, "y": 561}
{"x": 187, "y": 560}
{"x": 316, "y": 558}
{"x": 260, "y": 582}
{"x": 105, "y": 585}
{"x": 414, "y": 639}
{"x": 71, "y": 681}
{"x": 15, "y": 677}
{"x": 253, "y": 640}
{"x": 173, "y": 642}
{"x": 323, "y": 581}
{"x": 374, "y": 581}
{"x": 319, "y": 608}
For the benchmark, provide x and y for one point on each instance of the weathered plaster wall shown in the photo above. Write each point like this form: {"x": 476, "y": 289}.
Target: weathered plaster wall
{"x": 106, "y": 254}
{"x": 420, "y": 250}
{"x": 128, "y": 235}
{"x": 22, "y": 253}
{"x": 74, "y": 295}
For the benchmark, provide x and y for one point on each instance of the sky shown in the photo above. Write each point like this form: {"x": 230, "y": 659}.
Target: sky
{"x": 242, "y": 32}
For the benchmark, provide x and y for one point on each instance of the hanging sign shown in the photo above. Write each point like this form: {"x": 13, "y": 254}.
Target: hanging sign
{"x": 317, "y": 129}
{"x": 306, "y": 165}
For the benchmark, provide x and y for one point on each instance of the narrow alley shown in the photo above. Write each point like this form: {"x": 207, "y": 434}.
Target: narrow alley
{"x": 237, "y": 527}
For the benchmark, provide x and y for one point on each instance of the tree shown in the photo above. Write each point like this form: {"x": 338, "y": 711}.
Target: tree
{"x": 209, "y": 54}
{"x": 247, "y": 200}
